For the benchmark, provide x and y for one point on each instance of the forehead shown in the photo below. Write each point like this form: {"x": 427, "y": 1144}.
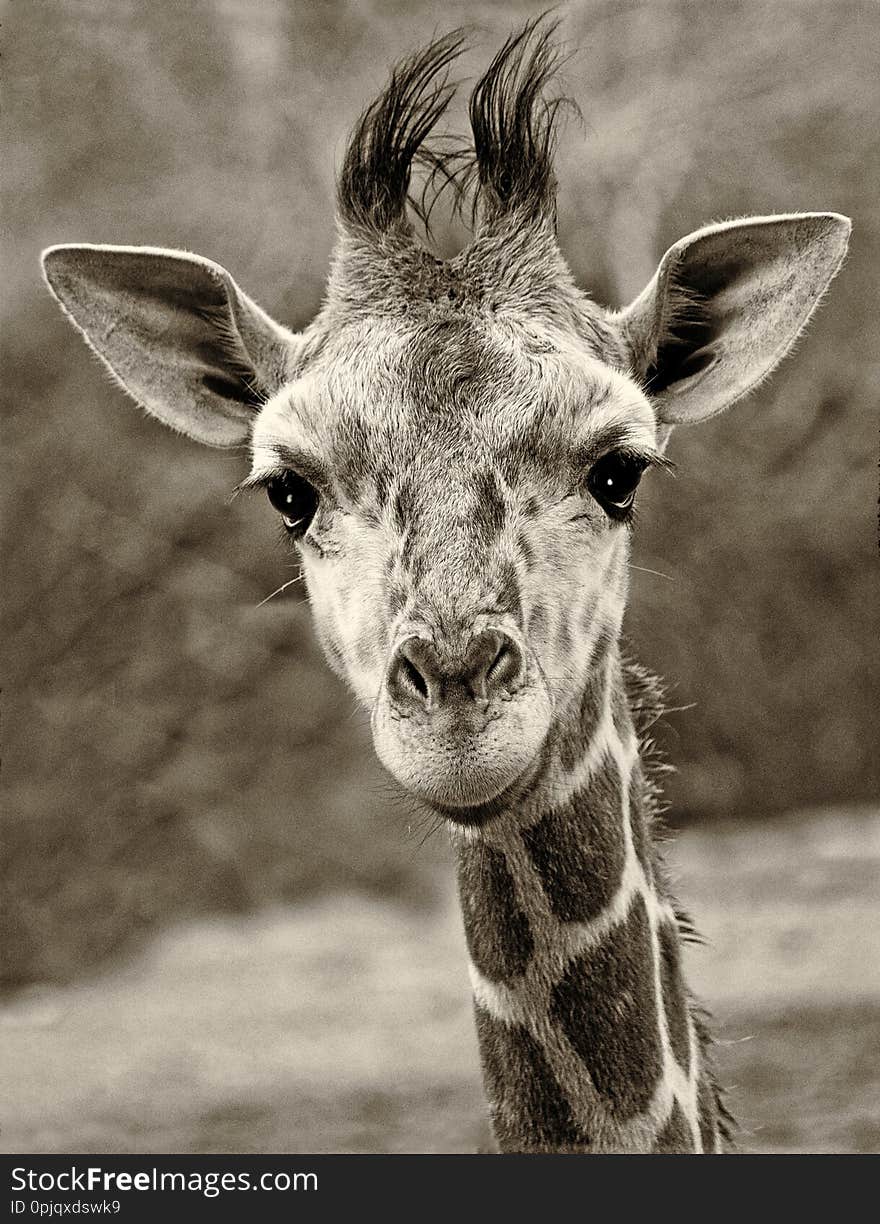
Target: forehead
{"x": 379, "y": 398}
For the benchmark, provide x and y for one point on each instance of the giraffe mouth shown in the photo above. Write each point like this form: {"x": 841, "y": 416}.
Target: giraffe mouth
{"x": 467, "y": 770}
{"x": 478, "y": 814}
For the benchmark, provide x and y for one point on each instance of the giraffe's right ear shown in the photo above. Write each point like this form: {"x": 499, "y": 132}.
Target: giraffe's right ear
{"x": 177, "y": 333}
{"x": 726, "y": 305}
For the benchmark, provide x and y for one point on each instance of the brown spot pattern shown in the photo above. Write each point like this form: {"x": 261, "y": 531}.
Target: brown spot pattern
{"x": 606, "y": 1007}
{"x": 638, "y": 820}
{"x": 508, "y": 591}
{"x": 706, "y": 1113}
{"x": 563, "y": 638}
{"x": 491, "y": 512}
{"x": 674, "y": 1001}
{"x": 620, "y": 709}
{"x": 579, "y": 850}
{"x": 526, "y": 552}
{"x": 538, "y": 621}
{"x": 530, "y": 1111}
{"x": 676, "y": 1135}
{"x": 497, "y": 931}
{"x": 575, "y": 737}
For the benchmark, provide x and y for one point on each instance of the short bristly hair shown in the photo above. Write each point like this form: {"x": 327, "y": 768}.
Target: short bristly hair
{"x": 508, "y": 166}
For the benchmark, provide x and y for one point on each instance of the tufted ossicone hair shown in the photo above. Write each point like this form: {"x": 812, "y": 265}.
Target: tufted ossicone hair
{"x": 506, "y": 171}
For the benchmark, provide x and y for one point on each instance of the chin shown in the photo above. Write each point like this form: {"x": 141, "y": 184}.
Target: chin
{"x": 466, "y": 782}
{"x": 475, "y": 814}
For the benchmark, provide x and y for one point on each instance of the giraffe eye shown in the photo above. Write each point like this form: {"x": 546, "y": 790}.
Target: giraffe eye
{"x": 613, "y": 481}
{"x": 295, "y": 500}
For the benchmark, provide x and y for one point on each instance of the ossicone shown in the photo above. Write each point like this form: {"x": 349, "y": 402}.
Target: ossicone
{"x": 504, "y": 169}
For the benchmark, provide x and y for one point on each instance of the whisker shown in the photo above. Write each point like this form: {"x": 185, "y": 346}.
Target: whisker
{"x": 432, "y": 832}
{"x": 656, "y": 573}
{"x": 283, "y": 587}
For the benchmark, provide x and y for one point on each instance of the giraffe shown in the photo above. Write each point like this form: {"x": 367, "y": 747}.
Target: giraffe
{"x": 454, "y": 447}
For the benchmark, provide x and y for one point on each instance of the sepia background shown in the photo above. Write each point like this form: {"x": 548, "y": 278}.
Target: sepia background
{"x": 223, "y": 929}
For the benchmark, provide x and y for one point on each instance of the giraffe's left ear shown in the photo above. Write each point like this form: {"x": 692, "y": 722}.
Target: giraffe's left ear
{"x": 725, "y": 306}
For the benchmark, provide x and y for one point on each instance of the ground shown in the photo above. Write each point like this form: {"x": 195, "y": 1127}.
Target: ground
{"x": 344, "y": 1025}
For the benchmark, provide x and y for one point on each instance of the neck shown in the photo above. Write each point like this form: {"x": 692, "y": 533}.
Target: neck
{"x": 586, "y": 1036}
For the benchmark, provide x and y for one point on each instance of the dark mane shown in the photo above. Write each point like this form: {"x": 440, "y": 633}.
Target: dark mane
{"x": 646, "y": 698}
{"x": 508, "y": 163}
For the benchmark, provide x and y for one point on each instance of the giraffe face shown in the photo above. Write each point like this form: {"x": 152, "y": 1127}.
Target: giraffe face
{"x": 453, "y": 444}
{"x": 458, "y": 493}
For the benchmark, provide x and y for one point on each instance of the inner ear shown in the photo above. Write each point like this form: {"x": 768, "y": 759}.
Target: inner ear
{"x": 177, "y": 332}
{"x": 228, "y": 372}
{"x": 726, "y": 304}
{"x": 684, "y": 350}
{"x": 241, "y": 390}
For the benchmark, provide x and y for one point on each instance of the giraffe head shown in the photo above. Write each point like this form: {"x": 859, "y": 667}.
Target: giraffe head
{"x": 454, "y": 447}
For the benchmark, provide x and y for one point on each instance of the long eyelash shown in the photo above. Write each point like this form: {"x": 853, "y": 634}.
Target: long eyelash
{"x": 260, "y": 480}
{"x": 656, "y": 460}
{"x": 285, "y": 538}
{"x": 650, "y": 458}
{"x": 628, "y": 519}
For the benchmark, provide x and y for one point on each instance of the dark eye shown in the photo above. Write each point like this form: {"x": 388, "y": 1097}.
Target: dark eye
{"x": 613, "y": 481}
{"x": 295, "y": 500}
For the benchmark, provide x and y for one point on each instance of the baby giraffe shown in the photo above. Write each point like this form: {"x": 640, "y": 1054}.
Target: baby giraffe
{"x": 454, "y": 449}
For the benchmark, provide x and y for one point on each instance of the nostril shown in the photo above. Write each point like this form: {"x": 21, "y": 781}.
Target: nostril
{"x": 504, "y": 667}
{"x": 413, "y": 677}
{"x": 495, "y": 663}
{"x": 421, "y": 682}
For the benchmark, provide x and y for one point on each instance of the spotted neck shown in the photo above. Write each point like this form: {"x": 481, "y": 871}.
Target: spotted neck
{"x": 587, "y": 1039}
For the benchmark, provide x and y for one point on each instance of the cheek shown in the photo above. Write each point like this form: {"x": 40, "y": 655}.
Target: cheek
{"x": 572, "y": 601}
{"x": 350, "y": 622}
{"x": 322, "y": 603}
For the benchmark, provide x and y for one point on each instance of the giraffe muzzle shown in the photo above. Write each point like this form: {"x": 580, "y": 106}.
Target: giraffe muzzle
{"x": 422, "y": 682}
{"x": 459, "y": 721}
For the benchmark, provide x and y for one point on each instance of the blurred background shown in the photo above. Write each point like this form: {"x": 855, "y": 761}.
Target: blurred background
{"x": 222, "y": 929}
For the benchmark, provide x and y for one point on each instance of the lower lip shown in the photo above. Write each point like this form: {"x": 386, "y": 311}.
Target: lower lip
{"x": 481, "y": 813}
